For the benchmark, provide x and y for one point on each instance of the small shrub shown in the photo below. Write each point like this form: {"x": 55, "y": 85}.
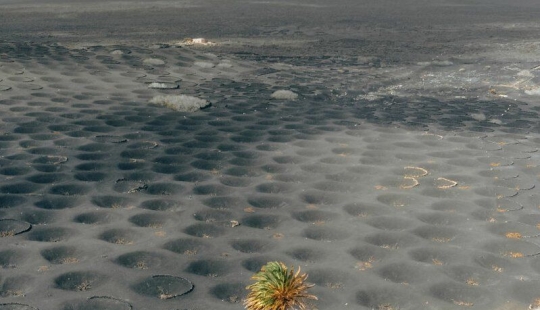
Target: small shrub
{"x": 278, "y": 288}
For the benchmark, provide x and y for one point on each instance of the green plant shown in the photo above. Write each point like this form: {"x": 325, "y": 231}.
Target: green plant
{"x": 278, "y": 288}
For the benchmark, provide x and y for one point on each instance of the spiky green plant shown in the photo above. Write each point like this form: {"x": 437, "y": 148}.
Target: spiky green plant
{"x": 278, "y": 288}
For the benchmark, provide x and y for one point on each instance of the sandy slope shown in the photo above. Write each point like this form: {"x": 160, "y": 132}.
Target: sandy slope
{"x": 404, "y": 176}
